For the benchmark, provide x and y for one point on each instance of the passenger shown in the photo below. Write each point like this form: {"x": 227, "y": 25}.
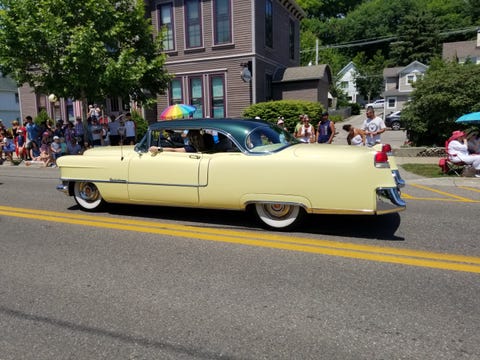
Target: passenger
{"x": 356, "y": 136}
{"x": 458, "y": 151}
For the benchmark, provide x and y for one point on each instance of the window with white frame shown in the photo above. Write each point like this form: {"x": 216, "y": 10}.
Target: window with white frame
{"x": 391, "y": 103}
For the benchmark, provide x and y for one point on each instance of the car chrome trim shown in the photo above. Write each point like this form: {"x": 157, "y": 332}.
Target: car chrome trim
{"x": 389, "y": 200}
{"x": 398, "y": 178}
{"x": 125, "y": 182}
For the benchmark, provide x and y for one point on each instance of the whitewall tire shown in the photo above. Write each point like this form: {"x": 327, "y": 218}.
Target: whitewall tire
{"x": 279, "y": 216}
{"x": 87, "y": 196}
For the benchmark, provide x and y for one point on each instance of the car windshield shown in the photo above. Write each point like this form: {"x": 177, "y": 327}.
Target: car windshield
{"x": 267, "y": 139}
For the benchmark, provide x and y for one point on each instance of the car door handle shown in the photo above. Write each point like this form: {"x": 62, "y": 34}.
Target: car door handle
{"x": 194, "y": 156}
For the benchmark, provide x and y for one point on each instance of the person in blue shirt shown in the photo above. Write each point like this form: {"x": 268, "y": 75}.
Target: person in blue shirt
{"x": 325, "y": 130}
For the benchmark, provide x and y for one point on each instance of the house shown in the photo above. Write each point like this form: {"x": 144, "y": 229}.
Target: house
{"x": 9, "y": 101}
{"x": 224, "y": 55}
{"x": 462, "y": 51}
{"x": 398, "y": 85}
{"x": 310, "y": 83}
{"x": 228, "y": 54}
{"x": 346, "y": 82}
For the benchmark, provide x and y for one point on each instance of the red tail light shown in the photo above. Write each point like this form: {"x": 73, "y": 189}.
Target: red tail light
{"x": 381, "y": 159}
{"x": 386, "y": 148}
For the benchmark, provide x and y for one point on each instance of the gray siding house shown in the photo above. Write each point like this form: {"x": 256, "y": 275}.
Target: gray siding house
{"x": 398, "y": 85}
{"x": 462, "y": 51}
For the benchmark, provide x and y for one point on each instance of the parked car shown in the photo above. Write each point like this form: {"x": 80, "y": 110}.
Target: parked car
{"x": 239, "y": 165}
{"x": 393, "y": 120}
{"x": 377, "y": 104}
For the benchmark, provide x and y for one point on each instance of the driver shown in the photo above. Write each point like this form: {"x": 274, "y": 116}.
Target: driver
{"x": 195, "y": 144}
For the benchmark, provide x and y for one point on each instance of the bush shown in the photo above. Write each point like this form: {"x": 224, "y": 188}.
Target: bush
{"x": 42, "y": 118}
{"x": 289, "y": 109}
{"x": 355, "y": 108}
{"x": 140, "y": 123}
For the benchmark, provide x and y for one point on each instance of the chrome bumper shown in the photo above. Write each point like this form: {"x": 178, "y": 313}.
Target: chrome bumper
{"x": 389, "y": 201}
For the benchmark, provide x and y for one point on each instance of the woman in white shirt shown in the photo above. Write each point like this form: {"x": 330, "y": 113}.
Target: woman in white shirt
{"x": 458, "y": 151}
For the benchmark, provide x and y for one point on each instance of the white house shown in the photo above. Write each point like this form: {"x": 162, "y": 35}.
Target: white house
{"x": 346, "y": 81}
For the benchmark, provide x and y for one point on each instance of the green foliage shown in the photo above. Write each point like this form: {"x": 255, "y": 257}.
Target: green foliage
{"x": 42, "y": 117}
{"x": 375, "y": 24}
{"x": 417, "y": 39}
{"x": 447, "y": 91}
{"x": 85, "y": 49}
{"x": 369, "y": 75}
{"x": 355, "y": 108}
{"x": 289, "y": 109}
{"x": 140, "y": 123}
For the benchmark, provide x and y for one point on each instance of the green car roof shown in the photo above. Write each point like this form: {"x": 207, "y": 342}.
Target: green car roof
{"x": 237, "y": 127}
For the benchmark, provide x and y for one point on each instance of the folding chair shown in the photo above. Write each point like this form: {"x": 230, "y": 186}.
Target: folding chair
{"x": 449, "y": 167}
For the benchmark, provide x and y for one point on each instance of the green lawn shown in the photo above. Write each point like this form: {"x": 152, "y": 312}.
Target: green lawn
{"x": 426, "y": 170}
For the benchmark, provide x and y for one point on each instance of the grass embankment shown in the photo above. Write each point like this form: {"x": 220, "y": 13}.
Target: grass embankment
{"x": 426, "y": 170}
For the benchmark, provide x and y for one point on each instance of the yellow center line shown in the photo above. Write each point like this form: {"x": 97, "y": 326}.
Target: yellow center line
{"x": 411, "y": 197}
{"x": 469, "y": 188}
{"x": 461, "y": 198}
{"x": 251, "y": 238}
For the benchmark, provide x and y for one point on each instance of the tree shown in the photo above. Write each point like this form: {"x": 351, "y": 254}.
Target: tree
{"x": 369, "y": 75}
{"x": 447, "y": 91}
{"x": 82, "y": 49}
{"x": 417, "y": 39}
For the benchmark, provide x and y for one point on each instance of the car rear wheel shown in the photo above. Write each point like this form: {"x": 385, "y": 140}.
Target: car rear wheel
{"x": 87, "y": 196}
{"x": 396, "y": 125}
{"x": 279, "y": 216}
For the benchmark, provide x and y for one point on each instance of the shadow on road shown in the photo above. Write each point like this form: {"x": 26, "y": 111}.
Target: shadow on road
{"x": 366, "y": 227}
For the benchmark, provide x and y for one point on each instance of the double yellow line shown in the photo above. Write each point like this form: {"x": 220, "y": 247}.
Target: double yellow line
{"x": 276, "y": 241}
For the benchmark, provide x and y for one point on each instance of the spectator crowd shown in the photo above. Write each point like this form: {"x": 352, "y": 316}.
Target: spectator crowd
{"x": 44, "y": 143}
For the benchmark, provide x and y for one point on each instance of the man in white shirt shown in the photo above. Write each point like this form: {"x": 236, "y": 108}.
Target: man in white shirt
{"x": 373, "y": 127}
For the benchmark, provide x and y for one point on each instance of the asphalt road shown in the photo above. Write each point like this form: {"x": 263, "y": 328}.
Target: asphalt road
{"x": 162, "y": 283}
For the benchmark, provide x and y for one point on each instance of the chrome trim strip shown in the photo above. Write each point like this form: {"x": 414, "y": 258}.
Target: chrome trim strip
{"x": 125, "y": 182}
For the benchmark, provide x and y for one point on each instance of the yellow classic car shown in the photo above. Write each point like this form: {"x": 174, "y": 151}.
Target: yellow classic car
{"x": 235, "y": 164}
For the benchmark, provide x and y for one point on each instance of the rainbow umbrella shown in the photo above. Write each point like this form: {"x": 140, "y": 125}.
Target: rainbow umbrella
{"x": 177, "y": 111}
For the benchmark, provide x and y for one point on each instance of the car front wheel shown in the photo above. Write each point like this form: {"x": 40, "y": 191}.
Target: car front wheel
{"x": 87, "y": 196}
{"x": 279, "y": 216}
{"x": 396, "y": 125}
